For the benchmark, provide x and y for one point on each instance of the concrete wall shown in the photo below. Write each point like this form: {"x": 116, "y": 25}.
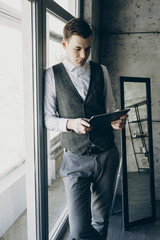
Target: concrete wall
{"x": 91, "y": 13}
{"x": 129, "y": 46}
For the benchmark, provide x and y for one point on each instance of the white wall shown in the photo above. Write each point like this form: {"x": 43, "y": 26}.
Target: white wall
{"x": 12, "y": 197}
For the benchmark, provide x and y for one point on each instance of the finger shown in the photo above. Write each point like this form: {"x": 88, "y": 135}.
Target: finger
{"x": 81, "y": 129}
{"x": 124, "y": 116}
{"x": 118, "y": 125}
{"x": 122, "y": 125}
{"x": 123, "y": 121}
{"x": 85, "y": 119}
{"x": 88, "y": 129}
{"x": 84, "y": 130}
{"x": 117, "y": 121}
{"x": 85, "y": 123}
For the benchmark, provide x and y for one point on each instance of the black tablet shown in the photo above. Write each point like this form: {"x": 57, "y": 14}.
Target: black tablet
{"x": 106, "y": 119}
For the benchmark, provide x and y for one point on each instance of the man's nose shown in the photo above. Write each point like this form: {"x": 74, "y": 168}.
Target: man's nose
{"x": 83, "y": 53}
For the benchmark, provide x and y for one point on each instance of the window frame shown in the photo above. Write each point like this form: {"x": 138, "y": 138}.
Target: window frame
{"x": 41, "y": 7}
{"x": 37, "y": 177}
{"x": 13, "y": 18}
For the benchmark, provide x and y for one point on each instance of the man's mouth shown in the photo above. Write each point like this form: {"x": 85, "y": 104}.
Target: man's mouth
{"x": 81, "y": 61}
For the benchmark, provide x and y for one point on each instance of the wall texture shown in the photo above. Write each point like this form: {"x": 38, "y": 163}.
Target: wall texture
{"x": 91, "y": 13}
{"x": 129, "y": 46}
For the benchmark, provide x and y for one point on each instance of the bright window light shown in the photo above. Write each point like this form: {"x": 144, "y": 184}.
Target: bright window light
{"x": 55, "y": 24}
{"x": 13, "y": 3}
{"x": 11, "y": 98}
{"x": 68, "y": 5}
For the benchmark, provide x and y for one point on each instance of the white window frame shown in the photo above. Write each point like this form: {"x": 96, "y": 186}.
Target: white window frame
{"x": 13, "y": 18}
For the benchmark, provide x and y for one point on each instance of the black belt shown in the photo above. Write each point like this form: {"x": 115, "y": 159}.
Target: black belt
{"x": 94, "y": 150}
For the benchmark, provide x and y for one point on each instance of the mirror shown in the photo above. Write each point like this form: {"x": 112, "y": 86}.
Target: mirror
{"x": 137, "y": 153}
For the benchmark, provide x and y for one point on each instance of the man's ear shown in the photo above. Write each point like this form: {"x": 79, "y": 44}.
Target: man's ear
{"x": 64, "y": 43}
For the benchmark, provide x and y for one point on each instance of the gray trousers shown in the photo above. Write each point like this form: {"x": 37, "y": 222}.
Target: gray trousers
{"x": 89, "y": 184}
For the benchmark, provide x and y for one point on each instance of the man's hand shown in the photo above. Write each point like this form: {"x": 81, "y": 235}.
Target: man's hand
{"x": 119, "y": 124}
{"x": 79, "y": 125}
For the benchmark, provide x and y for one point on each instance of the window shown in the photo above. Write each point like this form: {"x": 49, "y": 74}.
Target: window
{"x": 11, "y": 104}
{"x": 16, "y": 161}
{"x": 56, "y": 191}
{"x": 11, "y": 94}
{"x": 55, "y": 54}
{"x": 22, "y": 178}
{"x": 68, "y": 5}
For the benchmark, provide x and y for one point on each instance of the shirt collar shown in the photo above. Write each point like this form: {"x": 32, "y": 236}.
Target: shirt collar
{"x": 70, "y": 66}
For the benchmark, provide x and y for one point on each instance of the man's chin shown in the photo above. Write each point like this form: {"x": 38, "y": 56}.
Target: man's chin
{"x": 80, "y": 63}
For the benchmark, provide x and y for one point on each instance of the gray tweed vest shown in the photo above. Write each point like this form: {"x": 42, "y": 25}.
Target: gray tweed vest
{"x": 71, "y": 105}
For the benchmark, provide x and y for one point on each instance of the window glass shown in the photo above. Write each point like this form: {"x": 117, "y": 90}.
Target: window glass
{"x": 14, "y": 4}
{"x": 68, "y": 5}
{"x": 56, "y": 192}
{"x": 55, "y": 25}
{"x": 54, "y": 36}
{"x": 13, "y": 194}
{"x": 11, "y": 96}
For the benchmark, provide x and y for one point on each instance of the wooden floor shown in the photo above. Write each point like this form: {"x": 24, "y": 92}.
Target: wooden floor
{"x": 148, "y": 231}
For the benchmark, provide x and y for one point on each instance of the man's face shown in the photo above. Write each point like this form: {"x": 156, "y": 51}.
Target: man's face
{"x": 77, "y": 49}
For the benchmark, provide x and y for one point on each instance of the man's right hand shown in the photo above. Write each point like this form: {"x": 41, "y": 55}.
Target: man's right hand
{"x": 79, "y": 125}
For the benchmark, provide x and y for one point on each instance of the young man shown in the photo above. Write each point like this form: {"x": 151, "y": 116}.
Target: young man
{"x": 76, "y": 90}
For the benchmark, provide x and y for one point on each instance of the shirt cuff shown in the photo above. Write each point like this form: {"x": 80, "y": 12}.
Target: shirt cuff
{"x": 62, "y": 124}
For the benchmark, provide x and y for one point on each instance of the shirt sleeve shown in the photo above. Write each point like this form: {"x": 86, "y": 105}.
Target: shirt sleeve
{"x": 108, "y": 94}
{"x": 51, "y": 119}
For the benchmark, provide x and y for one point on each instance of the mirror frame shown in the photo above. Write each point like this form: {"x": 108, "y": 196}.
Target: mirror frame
{"x": 125, "y": 213}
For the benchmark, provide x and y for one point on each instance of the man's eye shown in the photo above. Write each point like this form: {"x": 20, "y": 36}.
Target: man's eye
{"x": 87, "y": 49}
{"x": 77, "y": 49}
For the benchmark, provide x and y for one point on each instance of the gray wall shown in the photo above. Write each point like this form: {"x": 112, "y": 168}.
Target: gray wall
{"x": 130, "y": 46}
{"x": 91, "y": 10}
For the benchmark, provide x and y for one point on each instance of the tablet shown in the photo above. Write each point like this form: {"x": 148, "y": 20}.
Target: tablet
{"x": 106, "y": 119}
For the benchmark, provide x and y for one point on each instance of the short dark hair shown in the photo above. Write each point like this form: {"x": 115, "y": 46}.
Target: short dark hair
{"x": 76, "y": 26}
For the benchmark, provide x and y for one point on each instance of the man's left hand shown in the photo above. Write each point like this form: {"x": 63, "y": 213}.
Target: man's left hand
{"x": 120, "y": 124}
